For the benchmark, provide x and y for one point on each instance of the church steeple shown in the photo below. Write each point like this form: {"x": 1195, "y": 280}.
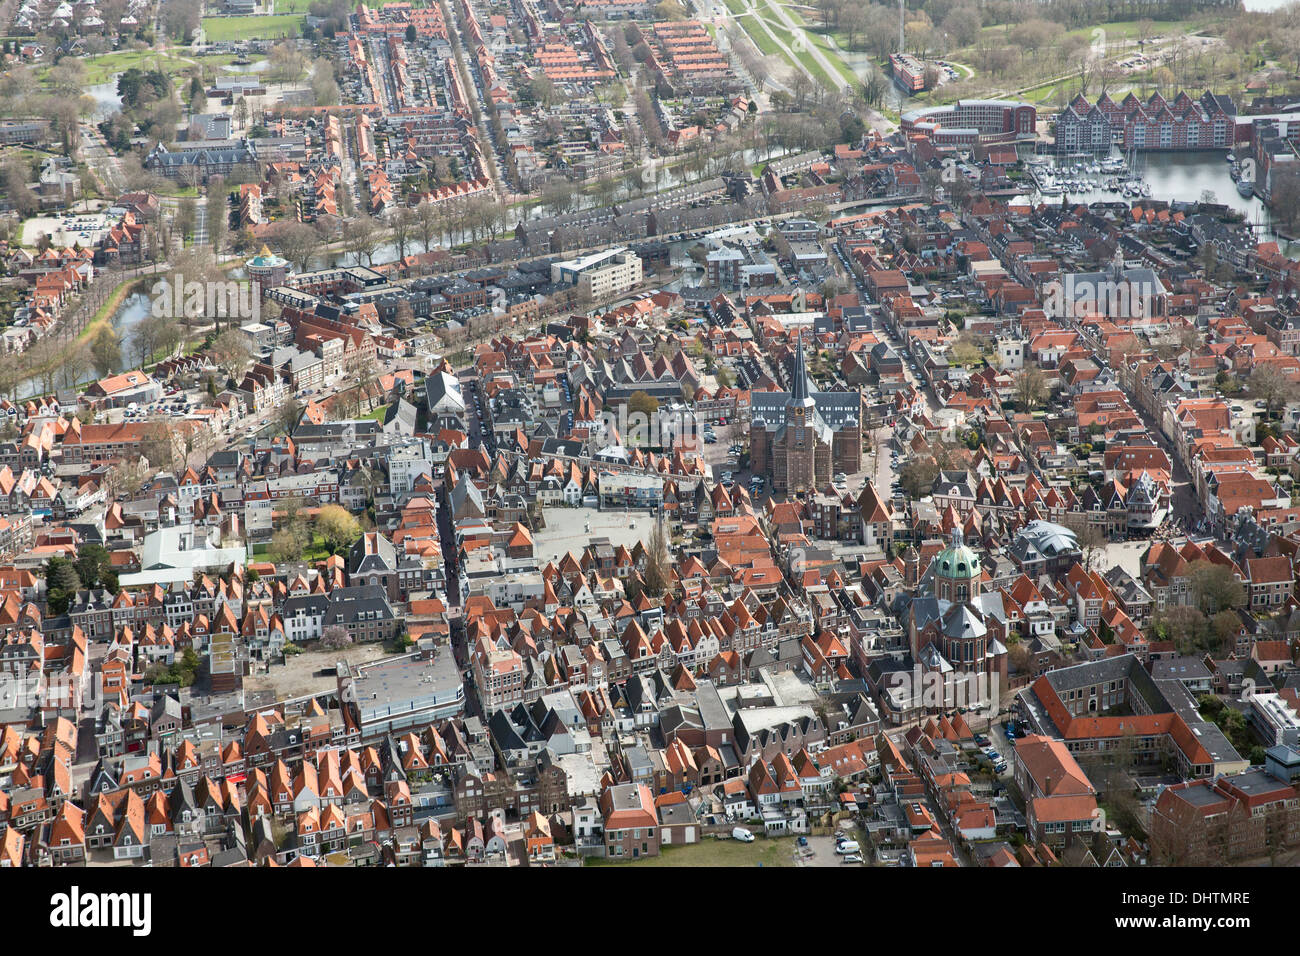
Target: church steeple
{"x": 799, "y": 391}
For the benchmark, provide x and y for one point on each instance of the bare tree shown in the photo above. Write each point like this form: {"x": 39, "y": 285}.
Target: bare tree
{"x": 297, "y": 242}
{"x": 361, "y": 237}
{"x": 658, "y": 561}
{"x": 1030, "y": 387}
{"x": 403, "y": 223}
{"x": 1272, "y": 385}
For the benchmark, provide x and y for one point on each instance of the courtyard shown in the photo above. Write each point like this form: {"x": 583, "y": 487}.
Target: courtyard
{"x": 311, "y": 672}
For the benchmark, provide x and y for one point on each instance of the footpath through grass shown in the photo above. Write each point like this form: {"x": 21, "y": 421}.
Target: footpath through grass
{"x": 764, "y": 28}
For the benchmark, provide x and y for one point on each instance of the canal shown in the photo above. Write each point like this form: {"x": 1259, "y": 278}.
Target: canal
{"x": 1182, "y": 177}
{"x": 128, "y": 316}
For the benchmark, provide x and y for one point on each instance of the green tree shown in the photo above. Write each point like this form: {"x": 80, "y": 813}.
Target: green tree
{"x": 338, "y": 527}
{"x": 94, "y": 566}
{"x": 105, "y": 352}
{"x": 61, "y": 584}
{"x": 188, "y": 667}
{"x": 642, "y": 402}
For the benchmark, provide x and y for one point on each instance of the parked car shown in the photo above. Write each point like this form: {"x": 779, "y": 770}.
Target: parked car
{"x": 852, "y": 858}
{"x": 846, "y": 847}
{"x": 741, "y": 834}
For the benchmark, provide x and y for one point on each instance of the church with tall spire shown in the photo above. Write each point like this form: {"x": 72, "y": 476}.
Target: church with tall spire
{"x": 802, "y": 437}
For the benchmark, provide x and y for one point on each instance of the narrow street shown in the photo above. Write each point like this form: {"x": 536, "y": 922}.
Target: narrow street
{"x": 452, "y": 19}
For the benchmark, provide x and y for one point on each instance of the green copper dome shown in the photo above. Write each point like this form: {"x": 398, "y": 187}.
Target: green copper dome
{"x": 957, "y": 562}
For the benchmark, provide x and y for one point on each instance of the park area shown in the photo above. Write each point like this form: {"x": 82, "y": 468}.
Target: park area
{"x": 772, "y": 37}
{"x": 105, "y": 66}
{"x": 711, "y": 852}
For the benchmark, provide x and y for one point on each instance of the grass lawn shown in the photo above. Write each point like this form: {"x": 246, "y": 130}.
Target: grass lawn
{"x": 105, "y": 312}
{"x": 316, "y": 551}
{"x": 766, "y": 45}
{"x": 233, "y": 29}
{"x": 1131, "y": 29}
{"x": 102, "y": 68}
{"x": 711, "y": 852}
{"x": 1118, "y": 30}
{"x": 754, "y": 27}
{"x": 376, "y": 415}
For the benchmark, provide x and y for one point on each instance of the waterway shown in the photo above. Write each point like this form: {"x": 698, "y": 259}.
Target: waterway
{"x": 1183, "y": 177}
{"x": 128, "y": 316}
{"x": 107, "y": 102}
{"x": 257, "y": 67}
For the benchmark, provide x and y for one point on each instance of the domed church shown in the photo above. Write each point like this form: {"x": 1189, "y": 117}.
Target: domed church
{"x": 946, "y": 626}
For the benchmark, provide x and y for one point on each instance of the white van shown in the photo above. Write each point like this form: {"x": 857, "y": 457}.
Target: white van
{"x": 847, "y": 846}
{"x": 741, "y": 834}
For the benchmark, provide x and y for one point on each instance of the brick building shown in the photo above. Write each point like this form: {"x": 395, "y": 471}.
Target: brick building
{"x": 1244, "y": 816}
{"x": 801, "y": 438}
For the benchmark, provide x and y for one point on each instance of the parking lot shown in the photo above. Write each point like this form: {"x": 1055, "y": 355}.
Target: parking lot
{"x": 174, "y": 403}
{"x": 999, "y": 742}
{"x": 722, "y": 455}
{"x": 820, "y": 851}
